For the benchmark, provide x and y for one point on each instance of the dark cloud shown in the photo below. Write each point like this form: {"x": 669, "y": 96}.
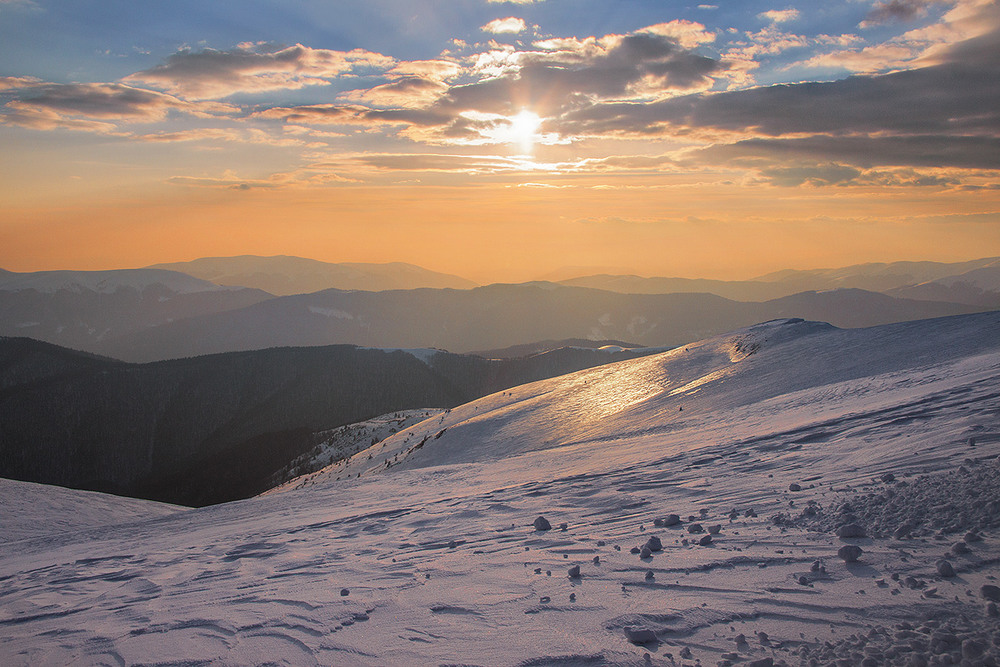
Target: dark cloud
{"x": 354, "y": 114}
{"x": 548, "y": 82}
{"x": 561, "y": 75}
{"x": 897, "y": 10}
{"x": 104, "y": 100}
{"x": 84, "y": 106}
{"x": 949, "y": 98}
{"x": 965, "y": 152}
{"x": 832, "y": 174}
{"x": 211, "y": 73}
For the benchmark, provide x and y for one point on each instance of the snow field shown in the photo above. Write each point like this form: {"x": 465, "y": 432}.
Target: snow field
{"x": 435, "y": 558}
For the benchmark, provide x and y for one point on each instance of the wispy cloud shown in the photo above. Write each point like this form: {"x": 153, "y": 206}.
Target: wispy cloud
{"x": 88, "y": 106}
{"x": 511, "y": 24}
{"x": 19, "y": 4}
{"x": 19, "y": 82}
{"x": 779, "y": 15}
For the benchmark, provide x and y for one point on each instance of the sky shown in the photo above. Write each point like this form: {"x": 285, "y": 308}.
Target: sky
{"x": 500, "y": 140}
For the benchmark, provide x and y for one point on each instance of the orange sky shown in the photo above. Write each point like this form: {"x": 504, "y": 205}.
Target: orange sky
{"x": 504, "y": 232}
{"x": 501, "y": 141}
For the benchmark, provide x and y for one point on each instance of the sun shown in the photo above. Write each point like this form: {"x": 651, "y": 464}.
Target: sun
{"x": 523, "y": 129}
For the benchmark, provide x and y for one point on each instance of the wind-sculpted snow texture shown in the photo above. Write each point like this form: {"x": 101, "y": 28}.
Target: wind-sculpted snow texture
{"x": 428, "y": 551}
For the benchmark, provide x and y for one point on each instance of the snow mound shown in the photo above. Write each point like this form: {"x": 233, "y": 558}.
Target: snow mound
{"x": 956, "y": 502}
{"x": 37, "y": 510}
{"x": 679, "y": 389}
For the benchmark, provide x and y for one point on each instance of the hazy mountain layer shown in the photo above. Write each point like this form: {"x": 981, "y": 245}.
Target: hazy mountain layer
{"x": 85, "y": 309}
{"x": 928, "y": 281}
{"x": 284, "y": 275}
{"x": 499, "y": 316}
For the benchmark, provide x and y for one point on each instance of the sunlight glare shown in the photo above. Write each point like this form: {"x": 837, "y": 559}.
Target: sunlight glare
{"x": 524, "y": 129}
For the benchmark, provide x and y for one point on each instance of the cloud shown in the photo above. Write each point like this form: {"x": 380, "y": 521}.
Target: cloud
{"x": 513, "y": 2}
{"x": 654, "y": 83}
{"x": 964, "y": 152}
{"x": 839, "y": 175}
{"x": 312, "y": 175}
{"x": 199, "y": 134}
{"x": 687, "y": 34}
{"x": 829, "y": 174}
{"x": 19, "y": 4}
{"x": 86, "y": 106}
{"x": 434, "y": 162}
{"x": 555, "y": 76}
{"x": 352, "y": 114}
{"x": 45, "y": 119}
{"x": 897, "y": 10}
{"x": 510, "y": 24}
{"x": 413, "y": 84}
{"x": 563, "y": 73}
{"x": 407, "y": 92}
{"x": 19, "y": 82}
{"x": 212, "y": 74}
{"x": 779, "y": 15}
{"x": 953, "y": 98}
{"x": 869, "y": 59}
{"x": 225, "y": 183}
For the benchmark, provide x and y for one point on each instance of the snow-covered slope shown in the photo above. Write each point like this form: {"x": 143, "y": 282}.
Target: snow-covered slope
{"x": 38, "y": 510}
{"x": 343, "y": 442}
{"x": 689, "y": 389}
{"x": 788, "y": 430}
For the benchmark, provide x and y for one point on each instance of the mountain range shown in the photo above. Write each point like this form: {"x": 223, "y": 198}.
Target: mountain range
{"x": 975, "y": 282}
{"x": 283, "y": 275}
{"x": 160, "y": 313}
{"x": 498, "y": 316}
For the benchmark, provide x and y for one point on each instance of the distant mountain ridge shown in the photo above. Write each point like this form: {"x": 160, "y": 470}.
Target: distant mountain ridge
{"x": 975, "y": 282}
{"x": 873, "y": 274}
{"x": 499, "y": 316}
{"x": 82, "y": 309}
{"x": 156, "y": 313}
{"x": 107, "y": 282}
{"x": 284, "y": 275}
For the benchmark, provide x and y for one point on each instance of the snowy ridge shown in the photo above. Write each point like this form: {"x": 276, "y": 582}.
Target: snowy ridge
{"x": 107, "y": 282}
{"x": 436, "y": 558}
{"x": 341, "y": 443}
